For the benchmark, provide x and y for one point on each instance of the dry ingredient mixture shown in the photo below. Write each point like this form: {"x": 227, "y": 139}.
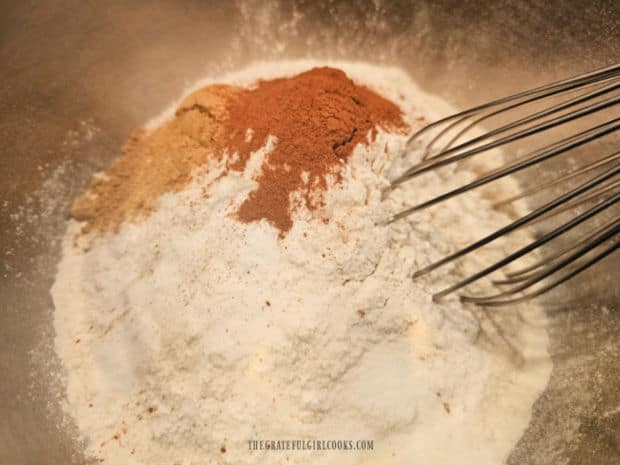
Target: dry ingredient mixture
{"x": 227, "y": 280}
{"x": 318, "y": 117}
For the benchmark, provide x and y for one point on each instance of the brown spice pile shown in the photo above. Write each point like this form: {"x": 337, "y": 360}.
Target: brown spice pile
{"x": 318, "y": 117}
{"x": 156, "y": 163}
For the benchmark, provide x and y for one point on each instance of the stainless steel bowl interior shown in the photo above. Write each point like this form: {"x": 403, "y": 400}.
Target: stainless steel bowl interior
{"x": 78, "y": 76}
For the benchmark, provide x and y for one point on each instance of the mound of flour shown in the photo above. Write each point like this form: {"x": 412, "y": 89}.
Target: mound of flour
{"x": 189, "y": 334}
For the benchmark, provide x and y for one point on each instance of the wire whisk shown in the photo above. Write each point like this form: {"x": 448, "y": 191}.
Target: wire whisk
{"x": 562, "y": 102}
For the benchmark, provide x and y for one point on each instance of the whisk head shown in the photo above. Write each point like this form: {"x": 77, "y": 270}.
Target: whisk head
{"x": 586, "y": 99}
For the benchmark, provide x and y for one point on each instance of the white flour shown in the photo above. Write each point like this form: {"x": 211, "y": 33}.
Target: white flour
{"x": 198, "y": 333}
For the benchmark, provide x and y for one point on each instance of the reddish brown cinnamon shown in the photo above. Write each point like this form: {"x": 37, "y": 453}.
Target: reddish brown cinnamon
{"x": 318, "y": 117}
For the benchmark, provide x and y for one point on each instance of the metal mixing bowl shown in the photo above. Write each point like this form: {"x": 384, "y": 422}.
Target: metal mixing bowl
{"x": 77, "y": 76}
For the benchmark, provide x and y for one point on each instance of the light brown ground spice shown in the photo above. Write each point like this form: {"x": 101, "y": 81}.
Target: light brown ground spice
{"x": 155, "y": 163}
{"x": 317, "y": 117}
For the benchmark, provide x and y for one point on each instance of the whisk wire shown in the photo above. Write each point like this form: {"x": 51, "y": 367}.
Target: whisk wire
{"x": 572, "y": 174}
{"x": 536, "y": 157}
{"x": 589, "y": 263}
{"x": 448, "y": 149}
{"x": 521, "y": 221}
{"x": 530, "y": 247}
{"x": 578, "y": 201}
{"x": 528, "y": 271}
{"x": 548, "y": 271}
{"x": 548, "y": 89}
{"x": 566, "y": 101}
{"x": 432, "y": 164}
